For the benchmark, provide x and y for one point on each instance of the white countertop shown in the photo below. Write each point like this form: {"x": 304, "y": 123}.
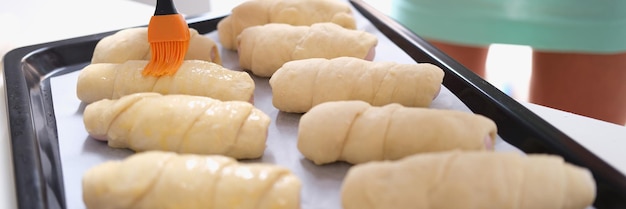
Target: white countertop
{"x": 28, "y": 22}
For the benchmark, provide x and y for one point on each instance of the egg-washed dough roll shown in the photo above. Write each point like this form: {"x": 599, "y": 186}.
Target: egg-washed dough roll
{"x": 167, "y": 180}
{"x": 132, "y": 44}
{"x": 180, "y": 123}
{"x": 264, "y": 49}
{"x": 355, "y": 132}
{"x": 293, "y": 12}
{"x": 301, "y": 84}
{"x": 194, "y": 77}
{"x": 486, "y": 180}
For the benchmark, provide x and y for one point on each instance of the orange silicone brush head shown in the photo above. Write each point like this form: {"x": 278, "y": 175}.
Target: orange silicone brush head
{"x": 168, "y": 35}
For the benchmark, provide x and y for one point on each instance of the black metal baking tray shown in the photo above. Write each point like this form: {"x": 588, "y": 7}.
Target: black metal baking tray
{"x": 34, "y": 138}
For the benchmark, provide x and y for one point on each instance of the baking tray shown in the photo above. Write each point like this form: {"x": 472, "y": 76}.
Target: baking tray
{"x": 35, "y": 140}
{"x": 30, "y": 111}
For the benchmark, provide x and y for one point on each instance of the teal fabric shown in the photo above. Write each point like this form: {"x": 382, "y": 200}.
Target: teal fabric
{"x": 589, "y": 26}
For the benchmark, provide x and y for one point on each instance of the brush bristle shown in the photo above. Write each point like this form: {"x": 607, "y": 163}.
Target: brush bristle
{"x": 166, "y": 58}
{"x": 169, "y": 40}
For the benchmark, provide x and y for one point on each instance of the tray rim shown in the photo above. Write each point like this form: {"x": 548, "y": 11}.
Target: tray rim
{"x": 30, "y": 186}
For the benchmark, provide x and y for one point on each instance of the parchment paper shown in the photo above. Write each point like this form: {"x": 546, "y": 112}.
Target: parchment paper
{"x": 321, "y": 184}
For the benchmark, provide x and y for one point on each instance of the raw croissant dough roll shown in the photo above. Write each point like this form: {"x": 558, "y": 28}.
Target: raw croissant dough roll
{"x": 486, "y": 180}
{"x": 301, "y": 84}
{"x": 355, "y": 132}
{"x": 158, "y": 180}
{"x": 132, "y": 44}
{"x": 293, "y": 12}
{"x": 181, "y": 123}
{"x": 264, "y": 49}
{"x": 195, "y": 77}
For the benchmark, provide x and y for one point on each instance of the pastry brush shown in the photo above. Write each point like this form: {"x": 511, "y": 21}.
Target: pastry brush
{"x": 168, "y": 34}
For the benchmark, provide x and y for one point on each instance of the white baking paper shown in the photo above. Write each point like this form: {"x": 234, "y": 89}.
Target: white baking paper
{"x": 321, "y": 184}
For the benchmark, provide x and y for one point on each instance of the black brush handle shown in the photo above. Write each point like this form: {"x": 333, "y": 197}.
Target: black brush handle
{"x": 165, "y": 7}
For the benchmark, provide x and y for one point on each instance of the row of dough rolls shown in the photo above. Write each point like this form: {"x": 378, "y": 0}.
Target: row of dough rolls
{"x": 411, "y": 157}
{"x": 299, "y": 85}
{"x": 356, "y": 132}
{"x": 469, "y": 179}
{"x": 157, "y": 179}
{"x": 129, "y": 110}
{"x": 293, "y": 12}
{"x": 188, "y": 130}
{"x": 179, "y": 123}
{"x": 265, "y": 48}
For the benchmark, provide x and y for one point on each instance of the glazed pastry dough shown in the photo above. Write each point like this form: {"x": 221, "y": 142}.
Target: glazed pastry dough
{"x": 264, "y": 49}
{"x": 293, "y": 12}
{"x": 166, "y": 180}
{"x": 486, "y": 180}
{"x": 355, "y": 132}
{"x": 301, "y": 84}
{"x": 132, "y": 44}
{"x": 195, "y": 77}
{"x": 181, "y": 123}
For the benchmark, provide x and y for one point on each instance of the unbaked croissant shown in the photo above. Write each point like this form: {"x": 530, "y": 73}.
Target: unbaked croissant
{"x": 132, "y": 44}
{"x": 194, "y": 77}
{"x": 486, "y": 180}
{"x": 161, "y": 180}
{"x": 301, "y": 84}
{"x": 293, "y": 12}
{"x": 181, "y": 123}
{"x": 264, "y": 49}
{"x": 355, "y": 132}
